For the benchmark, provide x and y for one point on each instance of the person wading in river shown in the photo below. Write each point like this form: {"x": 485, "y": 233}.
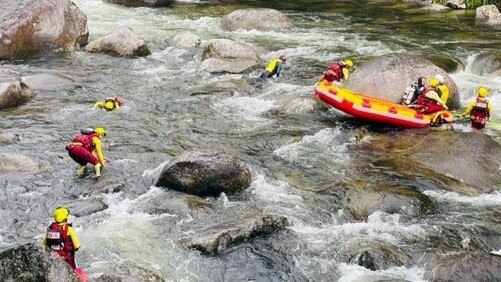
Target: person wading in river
{"x": 479, "y": 109}
{"x": 86, "y": 148}
{"x": 61, "y": 237}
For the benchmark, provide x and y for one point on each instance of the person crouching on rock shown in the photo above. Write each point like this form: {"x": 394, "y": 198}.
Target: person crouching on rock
{"x": 86, "y": 148}
{"x": 110, "y": 103}
{"x": 479, "y": 109}
{"x": 274, "y": 67}
{"x": 61, "y": 237}
{"x": 338, "y": 71}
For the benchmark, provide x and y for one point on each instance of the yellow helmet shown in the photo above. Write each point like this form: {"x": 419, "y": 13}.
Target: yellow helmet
{"x": 434, "y": 82}
{"x": 482, "y": 91}
{"x": 100, "y": 130}
{"x": 60, "y": 214}
{"x": 348, "y": 63}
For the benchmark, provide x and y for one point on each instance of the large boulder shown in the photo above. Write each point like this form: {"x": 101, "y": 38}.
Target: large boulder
{"x": 217, "y": 238}
{"x": 225, "y": 55}
{"x": 259, "y": 19}
{"x": 122, "y": 42}
{"x": 29, "y": 27}
{"x": 488, "y": 14}
{"x": 30, "y": 262}
{"x": 205, "y": 174}
{"x": 185, "y": 39}
{"x": 142, "y": 3}
{"x": 14, "y": 94}
{"x": 386, "y": 77}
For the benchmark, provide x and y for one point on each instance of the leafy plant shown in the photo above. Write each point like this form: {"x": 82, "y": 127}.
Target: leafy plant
{"x": 472, "y": 4}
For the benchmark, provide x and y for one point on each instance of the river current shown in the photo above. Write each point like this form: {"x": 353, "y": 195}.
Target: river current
{"x": 301, "y": 162}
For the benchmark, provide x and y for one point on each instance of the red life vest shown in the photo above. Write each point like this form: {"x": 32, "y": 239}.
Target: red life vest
{"x": 480, "y": 110}
{"x": 57, "y": 238}
{"x": 85, "y": 140}
{"x": 425, "y": 101}
{"x": 334, "y": 72}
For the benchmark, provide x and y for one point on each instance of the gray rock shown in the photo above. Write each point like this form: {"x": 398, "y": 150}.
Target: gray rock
{"x": 227, "y": 65}
{"x": 129, "y": 273}
{"x": 14, "y": 94}
{"x": 30, "y": 262}
{"x": 8, "y": 138}
{"x": 488, "y": 14}
{"x": 402, "y": 200}
{"x": 185, "y": 39}
{"x": 17, "y": 163}
{"x": 122, "y": 42}
{"x": 460, "y": 265}
{"x": 142, "y": 3}
{"x": 217, "y": 238}
{"x": 205, "y": 174}
{"x": 487, "y": 64}
{"x": 87, "y": 206}
{"x": 30, "y": 27}
{"x": 225, "y": 87}
{"x": 374, "y": 255}
{"x": 259, "y": 19}
{"x": 225, "y": 55}
{"x": 386, "y": 77}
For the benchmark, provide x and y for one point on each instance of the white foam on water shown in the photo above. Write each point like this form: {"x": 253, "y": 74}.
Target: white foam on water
{"x": 379, "y": 226}
{"x": 357, "y": 273}
{"x": 276, "y": 191}
{"x": 492, "y": 199}
{"x": 327, "y": 141}
{"x": 246, "y": 107}
{"x": 156, "y": 171}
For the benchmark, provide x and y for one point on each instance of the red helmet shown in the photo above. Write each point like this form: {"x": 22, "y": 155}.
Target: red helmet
{"x": 118, "y": 100}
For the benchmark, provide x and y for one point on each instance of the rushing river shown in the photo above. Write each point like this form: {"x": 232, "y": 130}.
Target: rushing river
{"x": 302, "y": 163}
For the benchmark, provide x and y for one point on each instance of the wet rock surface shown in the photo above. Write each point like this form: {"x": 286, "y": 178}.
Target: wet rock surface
{"x": 217, "y": 238}
{"x": 30, "y": 262}
{"x": 14, "y": 94}
{"x": 122, "y": 42}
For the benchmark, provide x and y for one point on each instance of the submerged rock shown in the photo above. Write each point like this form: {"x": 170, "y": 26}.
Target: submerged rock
{"x": 14, "y": 94}
{"x": 386, "y": 77}
{"x": 17, "y": 163}
{"x": 185, "y": 39}
{"x": 30, "y": 262}
{"x": 48, "y": 81}
{"x": 30, "y": 27}
{"x": 128, "y": 272}
{"x": 88, "y": 206}
{"x": 205, "y": 174}
{"x": 142, "y": 3}
{"x": 374, "y": 255}
{"x": 402, "y": 200}
{"x": 122, "y": 42}
{"x": 259, "y": 19}
{"x": 217, "y": 238}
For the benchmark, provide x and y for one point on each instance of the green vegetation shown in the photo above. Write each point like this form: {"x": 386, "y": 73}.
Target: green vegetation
{"x": 472, "y": 4}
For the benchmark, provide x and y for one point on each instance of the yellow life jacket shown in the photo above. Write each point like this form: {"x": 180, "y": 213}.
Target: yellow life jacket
{"x": 272, "y": 64}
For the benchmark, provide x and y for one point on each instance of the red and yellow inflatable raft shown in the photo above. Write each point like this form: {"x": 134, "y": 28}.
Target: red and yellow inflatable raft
{"x": 373, "y": 109}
